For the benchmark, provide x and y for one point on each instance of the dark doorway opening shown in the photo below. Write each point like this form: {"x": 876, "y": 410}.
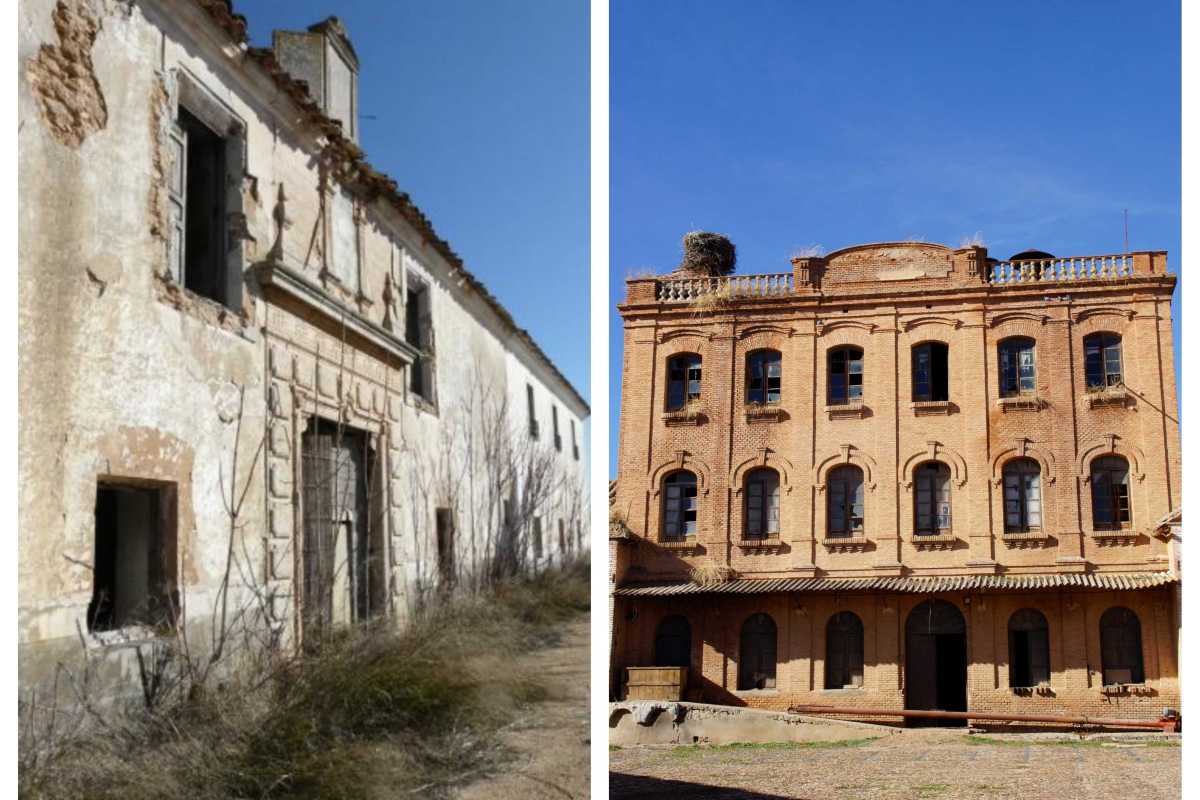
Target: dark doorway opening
{"x": 935, "y": 669}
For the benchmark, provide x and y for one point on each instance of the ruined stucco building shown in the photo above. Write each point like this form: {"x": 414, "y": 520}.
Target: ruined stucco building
{"x": 245, "y": 352}
{"x": 902, "y": 476}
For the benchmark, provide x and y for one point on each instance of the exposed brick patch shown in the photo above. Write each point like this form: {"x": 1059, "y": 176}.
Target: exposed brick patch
{"x": 63, "y": 79}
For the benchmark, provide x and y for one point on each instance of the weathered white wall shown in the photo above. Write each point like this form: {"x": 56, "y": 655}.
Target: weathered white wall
{"x": 125, "y": 374}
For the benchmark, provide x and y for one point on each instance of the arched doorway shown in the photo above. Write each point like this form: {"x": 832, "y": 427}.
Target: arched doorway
{"x": 935, "y": 663}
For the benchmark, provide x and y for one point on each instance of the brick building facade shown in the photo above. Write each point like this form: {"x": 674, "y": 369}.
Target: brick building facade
{"x": 902, "y": 475}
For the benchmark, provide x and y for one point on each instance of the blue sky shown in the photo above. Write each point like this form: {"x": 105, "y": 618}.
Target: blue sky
{"x": 480, "y": 112}
{"x": 786, "y": 125}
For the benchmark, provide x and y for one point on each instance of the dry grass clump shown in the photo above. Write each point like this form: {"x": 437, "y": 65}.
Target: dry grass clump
{"x": 708, "y": 573}
{"x": 373, "y": 712}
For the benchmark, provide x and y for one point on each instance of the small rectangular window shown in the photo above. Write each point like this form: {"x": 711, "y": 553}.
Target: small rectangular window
{"x": 557, "y": 437}
{"x": 418, "y": 332}
{"x": 931, "y": 372}
{"x": 574, "y": 441}
{"x": 133, "y": 571}
{"x": 562, "y": 536}
{"x": 196, "y": 189}
{"x": 445, "y": 547}
{"x": 537, "y": 537}
{"x": 532, "y": 411}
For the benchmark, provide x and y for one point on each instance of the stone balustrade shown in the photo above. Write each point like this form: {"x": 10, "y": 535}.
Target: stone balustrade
{"x": 1074, "y": 268}
{"x": 685, "y": 290}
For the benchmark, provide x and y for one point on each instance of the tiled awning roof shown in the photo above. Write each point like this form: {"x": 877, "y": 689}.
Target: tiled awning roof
{"x": 1141, "y": 580}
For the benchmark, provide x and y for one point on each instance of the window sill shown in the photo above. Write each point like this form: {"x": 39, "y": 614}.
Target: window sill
{"x": 1027, "y": 402}
{"x": 767, "y": 543}
{"x": 845, "y": 544}
{"x": 1118, "y": 689}
{"x": 1025, "y": 538}
{"x": 1044, "y": 689}
{"x": 764, "y": 413}
{"x": 1115, "y": 537}
{"x": 941, "y": 541}
{"x": 206, "y": 309}
{"x": 756, "y": 692}
{"x": 421, "y": 404}
{"x": 842, "y": 690}
{"x": 128, "y": 636}
{"x": 929, "y": 408}
{"x": 683, "y": 416}
{"x": 846, "y": 410}
{"x": 1115, "y": 396}
{"x": 679, "y": 544}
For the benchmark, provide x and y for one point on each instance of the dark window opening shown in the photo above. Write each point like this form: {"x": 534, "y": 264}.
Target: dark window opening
{"x": 574, "y": 441}
{"x": 447, "y": 571}
{"x": 756, "y": 658}
{"x": 562, "y": 537}
{"x": 554, "y": 420}
{"x": 683, "y": 381}
{"x": 1110, "y": 493}
{"x": 1028, "y": 649}
{"x": 845, "y": 488}
{"x": 932, "y": 491}
{"x": 762, "y": 504}
{"x": 134, "y": 557}
{"x": 931, "y": 371}
{"x": 1018, "y": 373}
{"x": 418, "y": 332}
{"x": 843, "y": 651}
{"x": 673, "y": 642}
{"x": 680, "y": 505}
{"x": 845, "y": 375}
{"x": 1102, "y": 360}
{"x": 1022, "y": 495}
{"x": 1121, "y": 647}
{"x": 532, "y": 410}
{"x": 537, "y": 537}
{"x": 197, "y": 190}
{"x": 764, "y": 374}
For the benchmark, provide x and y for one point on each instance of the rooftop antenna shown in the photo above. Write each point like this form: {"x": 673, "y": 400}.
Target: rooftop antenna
{"x": 1126, "y": 212}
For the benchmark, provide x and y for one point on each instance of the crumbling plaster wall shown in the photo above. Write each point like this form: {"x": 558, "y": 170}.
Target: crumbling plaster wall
{"x": 124, "y": 374}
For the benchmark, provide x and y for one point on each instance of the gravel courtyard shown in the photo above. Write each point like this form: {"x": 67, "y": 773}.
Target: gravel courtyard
{"x": 922, "y": 764}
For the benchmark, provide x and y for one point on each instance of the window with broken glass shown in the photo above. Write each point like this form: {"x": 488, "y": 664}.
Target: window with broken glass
{"x": 843, "y": 651}
{"x": 418, "y": 332}
{"x": 1110, "y": 493}
{"x": 1017, "y": 372}
{"x": 1028, "y": 649}
{"x": 931, "y": 371}
{"x": 757, "y": 654}
{"x": 680, "y": 505}
{"x": 764, "y": 374}
{"x": 683, "y": 380}
{"x": 1022, "y": 495}
{"x": 1102, "y": 360}
{"x": 1121, "y": 647}
{"x": 845, "y": 488}
{"x": 845, "y": 375}
{"x": 932, "y": 486}
{"x": 531, "y": 410}
{"x": 762, "y": 504}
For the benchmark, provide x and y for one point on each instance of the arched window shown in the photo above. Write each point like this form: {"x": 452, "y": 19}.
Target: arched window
{"x": 845, "y": 375}
{"x": 931, "y": 371}
{"x": 764, "y": 376}
{"x": 1110, "y": 493}
{"x": 756, "y": 661}
{"x": 1028, "y": 648}
{"x": 932, "y": 492}
{"x": 1102, "y": 360}
{"x": 1017, "y": 371}
{"x": 1121, "y": 647}
{"x": 1022, "y": 495}
{"x": 679, "y": 506}
{"x": 845, "y": 489}
{"x": 762, "y": 503}
{"x": 683, "y": 380}
{"x": 673, "y": 643}
{"x": 843, "y": 651}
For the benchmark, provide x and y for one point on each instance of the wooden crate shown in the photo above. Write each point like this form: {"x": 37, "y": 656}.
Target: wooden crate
{"x": 655, "y": 683}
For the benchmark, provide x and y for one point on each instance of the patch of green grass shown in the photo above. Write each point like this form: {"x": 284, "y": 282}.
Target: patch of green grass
{"x": 931, "y": 789}
{"x": 1162, "y": 743}
{"x": 693, "y": 750}
{"x": 988, "y": 740}
{"x": 612, "y": 748}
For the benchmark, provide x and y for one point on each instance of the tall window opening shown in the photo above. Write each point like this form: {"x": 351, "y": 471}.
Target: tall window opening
{"x": 843, "y": 651}
{"x": 1110, "y": 493}
{"x": 1121, "y": 647}
{"x": 764, "y": 376}
{"x": 931, "y": 371}
{"x": 574, "y": 442}
{"x": 756, "y": 661}
{"x": 537, "y": 537}
{"x": 845, "y": 489}
{"x": 562, "y": 537}
{"x": 554, "y": 420}
{"x": 680, "y": 505}
{"x": 1028, "y": 649}
{"x": 197, "y": 199}
{"x": 447, "y": 571}
{"x": 845, "y": 375}
{"x": 531, "y": 410}
{"x": 1018, "y": 374}
{"x": 1102, "y": 360}
{"x": 1022, "y": 495}
{"x": 673, "y": 642}
{"x": 762, "y": 503}
{"x": 133, "y": 568}
{"x": 932, "y": 488}
{"x": 683, "y": 380}
{"x": 418, "y": 332}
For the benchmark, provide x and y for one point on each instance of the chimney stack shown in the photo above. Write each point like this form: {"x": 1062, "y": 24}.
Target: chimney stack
{"x": 324, "y": 57}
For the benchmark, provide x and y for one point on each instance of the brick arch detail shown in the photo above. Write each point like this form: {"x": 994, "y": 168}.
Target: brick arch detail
{"x": 1024, "y": 448}
{"x": 935, "y": 451}
{"x": 765, "y": 458}
{"x": 1109, "y": 445}
{"x": 1015, "y": 316}
{"x": 1102, "y": 311}
{"x": 756, "y": 330}
{"x": 682, "y": 460}
{"x": 849, "y": 455}
{"x": 683, "y": 333}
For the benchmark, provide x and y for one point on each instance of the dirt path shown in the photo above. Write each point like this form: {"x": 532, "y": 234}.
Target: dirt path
{"x": 915, "y": 765}
{"x": 552, "y": 741}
